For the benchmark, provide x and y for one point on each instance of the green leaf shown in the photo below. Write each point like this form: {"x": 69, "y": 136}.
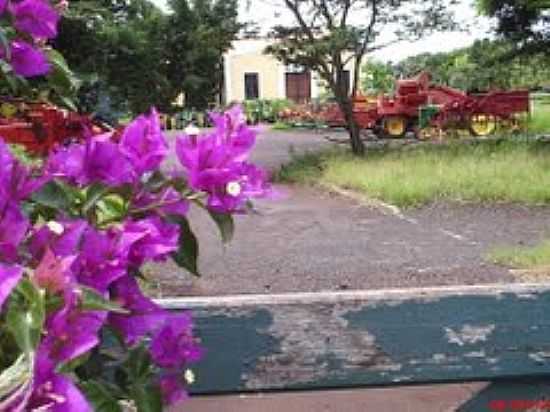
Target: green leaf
{"x": 147, "y": 398}
{"x": 91, "y": 300}
{"x": 93, "y": 194}
{"x": 55, "y": 195}
{"x": 5, "y": 44}
{"x": 111, "y": 208}
{"x": 15, "y": 378}
{"x": 26, "y": 315}
{"x": 187, "y": 255}
{"x": 100, "y": 397}
{"x": 225, "y": 224}
{"x": 69, "y": 367}
{"x": 138, "y": 365}
{"x": 57, "y": 59}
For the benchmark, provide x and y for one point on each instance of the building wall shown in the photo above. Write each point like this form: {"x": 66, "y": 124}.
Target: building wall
{"x": 247, "y": 56}
{"x": 268, "y": 70}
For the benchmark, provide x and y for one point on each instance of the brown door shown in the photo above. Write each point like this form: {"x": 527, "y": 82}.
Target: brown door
{"x": 298, "y": 87}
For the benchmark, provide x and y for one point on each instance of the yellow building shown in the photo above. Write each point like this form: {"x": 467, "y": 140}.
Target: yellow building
{"x": 251, "y": 74}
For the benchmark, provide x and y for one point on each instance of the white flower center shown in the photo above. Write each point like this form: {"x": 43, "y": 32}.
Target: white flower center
{"x": 55, "y": 227}
{"x": 233, "y": 188}
{"x": 189, "y": 376}
{"x": 192, "y": 130}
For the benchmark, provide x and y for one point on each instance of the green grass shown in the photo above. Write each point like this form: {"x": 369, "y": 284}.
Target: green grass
{"x": 522, "y": 257}
{"x": 539, "y": 121}
{"x": 483, "y": 171}
{"x": 280, "y": 126}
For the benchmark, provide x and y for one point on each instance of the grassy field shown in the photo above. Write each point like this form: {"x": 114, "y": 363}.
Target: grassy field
{"x": 540, "y": 117}
{"x": 522, "y": 257}
{"x": 484, "y": 171}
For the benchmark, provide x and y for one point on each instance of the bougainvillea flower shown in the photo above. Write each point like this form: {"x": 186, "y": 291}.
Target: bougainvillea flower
{"x": 63, "y": 243}
{"x": 16, "y": 182}
{"x": 36, "y": 17}
{"x": 54, "y": 392}
{"x": 158, "y": 239}
{"x": 207, "y": 154}
{"x": 104, "y": 257}
{"x": 232, "y": 130}
{"x": 13, "y": 228}
{"x": 172, "y": 389}
{"x": 169, "y": 200}
{"x": 106, "y": 163}
{"x": 9, "y": 278}
{"x": 98, "y": 160}
{"x": 232, "y": 187}
{"x": 26, "y": 60}
{"x": 230, "y": 143}
{"x": 174, "y": 346}
{"x": 143, "y": 143}
{"x": 68, "y": 163}
{"x": 72, "y": 331}
{"x": 145, "y": 316}
{"x": 215, "y": 164}
{"x": 53, "y": 273}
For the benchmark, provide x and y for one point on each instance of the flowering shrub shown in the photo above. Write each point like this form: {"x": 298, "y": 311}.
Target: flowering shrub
{"x": 76, "y": 331}
{"x": 73, "y": 236}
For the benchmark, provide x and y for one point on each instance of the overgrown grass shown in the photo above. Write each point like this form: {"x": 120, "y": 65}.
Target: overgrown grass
{"x": 522, "y": 257}
{"x": 484, "y": 171}
{"x": 281, "y": 126}
{"x": 539, "y": 121}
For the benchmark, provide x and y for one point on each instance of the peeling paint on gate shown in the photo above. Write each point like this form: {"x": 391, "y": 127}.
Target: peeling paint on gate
{"x": 353, "y": 339}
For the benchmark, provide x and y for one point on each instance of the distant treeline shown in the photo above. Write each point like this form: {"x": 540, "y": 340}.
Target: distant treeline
{"x": 483, "y": 66}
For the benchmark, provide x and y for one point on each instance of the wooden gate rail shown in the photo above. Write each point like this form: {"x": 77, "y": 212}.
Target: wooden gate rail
{"x": 310, "y": 341}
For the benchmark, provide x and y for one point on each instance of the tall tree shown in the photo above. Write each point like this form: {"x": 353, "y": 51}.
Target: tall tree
{"x": 121, "y": 44}
{"x": 526, "y": 23}
{"x": 378, "y": 77}
{"x": 198, "y": 34}
{"x": 326, "y": 35}
{"x": 485, "y": 65}
{"x": 142, "y": 56}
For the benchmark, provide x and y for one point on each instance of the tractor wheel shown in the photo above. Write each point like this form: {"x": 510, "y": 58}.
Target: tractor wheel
{"x": 395, "y": 126}
{"x": 482, "y": 125}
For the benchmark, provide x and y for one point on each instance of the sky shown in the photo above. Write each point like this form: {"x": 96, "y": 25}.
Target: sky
{"x": 267, "y": 13}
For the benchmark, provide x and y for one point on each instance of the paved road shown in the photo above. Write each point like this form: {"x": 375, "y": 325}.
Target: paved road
{"x": 311, "y": 241}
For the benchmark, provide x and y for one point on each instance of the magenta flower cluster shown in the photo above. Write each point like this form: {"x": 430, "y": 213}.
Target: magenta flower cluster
{"x": 119, "y": 212}
{"x": 35, "y": 21}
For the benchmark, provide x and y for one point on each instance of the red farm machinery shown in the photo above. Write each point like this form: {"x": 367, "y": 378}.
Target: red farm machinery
{"x": 423, "y": 108}
{"x": 39, "y": 127}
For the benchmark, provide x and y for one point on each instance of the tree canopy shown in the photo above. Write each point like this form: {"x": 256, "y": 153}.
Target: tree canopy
{"x": 140, "y": 56}
{"x": 525, "y": 23}
{"x": 479, "y": 67}
{"x": 326, "y": 35}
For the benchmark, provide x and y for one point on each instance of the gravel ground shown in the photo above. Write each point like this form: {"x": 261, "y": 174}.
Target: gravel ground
{"x": 312, "y": 241}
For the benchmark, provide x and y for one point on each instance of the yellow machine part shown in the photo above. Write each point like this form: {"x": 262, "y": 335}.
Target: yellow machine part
{"x": 395, "y": 126}
{"x": 7, "y": 110}
{"x": 483, "y": 124}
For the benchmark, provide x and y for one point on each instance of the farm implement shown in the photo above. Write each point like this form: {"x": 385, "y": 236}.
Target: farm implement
{"x": 39, "y": 127}
{"x": 424, "y": 109}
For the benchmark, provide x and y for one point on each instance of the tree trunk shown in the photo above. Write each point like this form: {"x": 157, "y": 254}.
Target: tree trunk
{"x": 346, "y": 106}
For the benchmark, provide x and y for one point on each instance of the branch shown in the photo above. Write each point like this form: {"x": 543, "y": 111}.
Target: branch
{"x": 381, "y": 46}
{"x": 295, "y": 9}
{"x": 370, "y": 28}
{"x": 322, "y": 7}
{"x": 345, "y": 12}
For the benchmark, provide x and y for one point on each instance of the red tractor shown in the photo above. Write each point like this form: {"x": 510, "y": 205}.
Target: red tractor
{"x": 419, "y": 105}
{"x": 39, "y": 127}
